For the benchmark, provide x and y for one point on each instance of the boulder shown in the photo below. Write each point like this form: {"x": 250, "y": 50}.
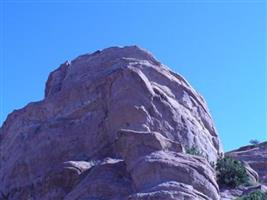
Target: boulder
{"x": 114, "y": 124}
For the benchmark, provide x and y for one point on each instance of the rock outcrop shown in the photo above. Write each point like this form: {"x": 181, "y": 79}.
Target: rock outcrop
{"x": 241, "y": 191}
{"x": 255, "y": 156}
{"x": 113, "y": 125}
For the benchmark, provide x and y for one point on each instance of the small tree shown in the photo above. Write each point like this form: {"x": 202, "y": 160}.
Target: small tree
{"x": 254, "y": 142}
{"x": 231, "y": 172}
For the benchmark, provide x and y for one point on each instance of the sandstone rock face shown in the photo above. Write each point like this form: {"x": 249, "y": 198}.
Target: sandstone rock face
{"x": 255, "y": 156}
{"x": 113, "y": 125}
{"x": 241, "y": 191}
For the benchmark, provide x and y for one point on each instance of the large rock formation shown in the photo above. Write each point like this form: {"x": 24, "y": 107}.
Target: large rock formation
{"x": 114, "y": 124}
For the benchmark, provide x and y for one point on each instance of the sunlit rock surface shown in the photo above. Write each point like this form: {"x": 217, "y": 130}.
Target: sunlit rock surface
{"x": 114, "y": 124}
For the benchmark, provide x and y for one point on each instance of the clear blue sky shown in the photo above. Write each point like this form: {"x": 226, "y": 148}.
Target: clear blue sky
{"x": 219, "y": 47}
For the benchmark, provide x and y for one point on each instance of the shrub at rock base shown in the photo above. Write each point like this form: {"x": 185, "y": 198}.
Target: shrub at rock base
{"x": 230, "y": 172}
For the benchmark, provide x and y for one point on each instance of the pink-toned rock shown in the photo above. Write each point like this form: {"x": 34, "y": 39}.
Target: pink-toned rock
{"x": 241, "y": 191}
{"x": 255, "y": 156}
{"x": 114, "y": 124}
{"x": 161, "y": 167}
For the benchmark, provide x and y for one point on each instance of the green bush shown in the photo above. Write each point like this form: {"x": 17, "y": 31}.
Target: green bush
{"x": 231, "y": 172}
{"x": 257, "y": 195}
{"x": 254, "y": 142}
{"x": 194, "y": 151}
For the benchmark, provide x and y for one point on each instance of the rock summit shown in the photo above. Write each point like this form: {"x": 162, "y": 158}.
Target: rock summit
{"x": 113, "y": 125}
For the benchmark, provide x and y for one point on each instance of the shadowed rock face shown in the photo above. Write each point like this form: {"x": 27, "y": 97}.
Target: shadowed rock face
{"x": 114, "y": 124}
{"x": 255, "y": 156}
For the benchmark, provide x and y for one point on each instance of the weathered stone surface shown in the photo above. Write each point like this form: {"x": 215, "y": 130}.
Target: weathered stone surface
{"x": 255, "y": 156}
{"x": 113, "y": 125}
{"x": 233, "y": 193}
{"x": 170, "y": 190}
{"x": 160, "y": 167}
{"x": 108, "y": 179}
